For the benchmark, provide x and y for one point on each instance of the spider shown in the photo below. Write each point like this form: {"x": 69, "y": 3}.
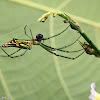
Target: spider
{"x": 27, "y": 44}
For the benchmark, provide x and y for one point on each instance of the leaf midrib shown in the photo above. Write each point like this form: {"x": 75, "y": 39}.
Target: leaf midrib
{"x": 56, "y": 62}
{"x": 47, "y": 9}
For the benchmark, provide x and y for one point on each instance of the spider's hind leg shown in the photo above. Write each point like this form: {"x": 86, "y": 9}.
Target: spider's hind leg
{"x": 9, "y": 55}
{"x": 50, "y": 51}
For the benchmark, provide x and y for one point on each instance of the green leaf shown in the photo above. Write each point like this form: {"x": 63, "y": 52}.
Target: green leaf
{"x": 39, "y": 75}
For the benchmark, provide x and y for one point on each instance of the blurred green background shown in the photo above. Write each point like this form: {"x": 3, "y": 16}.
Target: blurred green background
{"x": 38, "y": 75}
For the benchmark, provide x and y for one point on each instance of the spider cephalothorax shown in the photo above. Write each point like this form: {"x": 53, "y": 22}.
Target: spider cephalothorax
{"x": 39, "y": 37}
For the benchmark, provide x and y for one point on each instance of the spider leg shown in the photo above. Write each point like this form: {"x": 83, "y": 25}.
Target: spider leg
{"x": 4, "y": 52}
{"x": 9, "y": 55}
{"x": 59, "y": 49}
{"x": 25, "y": 32}
{"x": 54, "y": 49}
{"x": 58, "y": 54}
{"x": 22, "y": 53}
{"x": 71, "y": 43}
{"x": 56, "y": 34}
{"x": 15, "y": 52}
{"x": 31, "y": 34}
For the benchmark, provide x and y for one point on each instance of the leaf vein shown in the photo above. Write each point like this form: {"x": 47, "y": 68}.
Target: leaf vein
{"x": 63, "y": 4}
{"x": 59, "y": 74}
{"x": 3, "y": 82}
{"x": 47, "y": 9}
